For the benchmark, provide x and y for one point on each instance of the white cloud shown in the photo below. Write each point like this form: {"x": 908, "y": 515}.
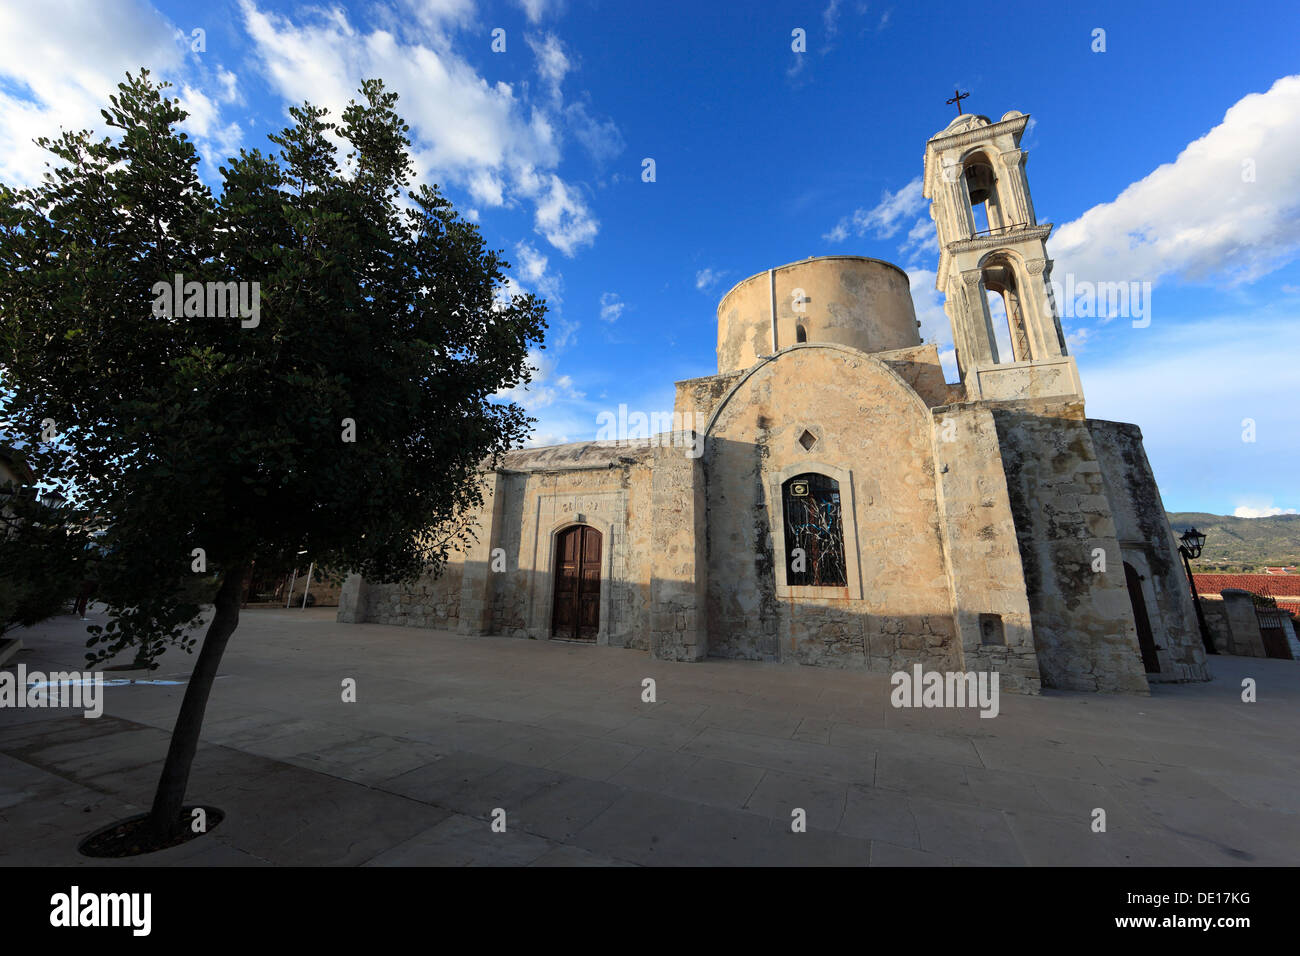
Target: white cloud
{"x": 536, "y": 10}
{"x": 563, "y": 331}
{"x": 830, "y": 18}
{"x": 885, "y": 218}
{"x": 532, "y": 269}
{"x": 532, "y": 264}
{"x": 62, "y": 59}
{"x": 601, "y": 138}
{"x": 1190, "y": 387}
{"x": 1245, "y": 511}
{"x": 553, "y": 63}
{"x": 545, "y": 389}
{"x": 563, "y": 217}
{"x": 948, "y": 360}
{"x": 504, "y": 293}
{"x": 486, "y": 187}
{"x": 935, "y": 328}
{"x": 229, "y": 83}
{"x": 928, "y": 302}
{"x": 464, "y": 130}
{"x": 440, "y": 14}
{"x": 215, "y": 141}
{"x": 706, "y": 279}
{"x": 922, "y": 239}
{"x": 611, "y": 307}
{"x": 1227, "y": 208}
{"x": 1001, "y": 326}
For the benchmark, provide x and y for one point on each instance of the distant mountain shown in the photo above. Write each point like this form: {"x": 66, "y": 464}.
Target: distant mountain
{"x": 1242, "y": 544}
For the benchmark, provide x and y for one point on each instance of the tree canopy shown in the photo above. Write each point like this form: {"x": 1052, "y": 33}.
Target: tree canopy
{"x": 324, "y": 381}
{"x": 376, "y": 304}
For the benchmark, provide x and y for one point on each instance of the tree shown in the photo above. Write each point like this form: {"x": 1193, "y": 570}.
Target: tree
{"x": 347, "y": 408}
{"x": 43, "y": 556}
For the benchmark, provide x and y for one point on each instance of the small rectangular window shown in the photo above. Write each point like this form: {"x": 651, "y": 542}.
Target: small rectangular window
{"x": 991, "y": 630}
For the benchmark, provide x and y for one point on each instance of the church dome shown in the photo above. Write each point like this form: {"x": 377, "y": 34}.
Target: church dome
{"x": 856, "y": 301}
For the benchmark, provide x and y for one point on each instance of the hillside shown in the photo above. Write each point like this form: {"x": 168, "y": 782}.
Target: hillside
{"x": 1245, "y": 544}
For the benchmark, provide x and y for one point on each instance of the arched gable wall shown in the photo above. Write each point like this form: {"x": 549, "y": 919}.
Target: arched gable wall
{"x": 873, "y": 434}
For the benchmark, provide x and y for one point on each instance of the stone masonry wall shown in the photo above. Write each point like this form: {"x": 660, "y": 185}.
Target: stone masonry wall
{"x": 510, "y": 589}
{"x": 1244, "y": 637}
{"x": 921, "y": 369}
{"x": 983, "y": 553}
{"x": 1083, "y": 621}
{"x": 503, "y": 583}
{"x": 874, "y": 431}
{"x": 700, "y": 396}
{"x": 1216, "y": 621}
{"x": 679, "y": 553}
{"x": 1147, "y": 540}
{"x": 427, "y": 602}
{"x": 616, "y": 500}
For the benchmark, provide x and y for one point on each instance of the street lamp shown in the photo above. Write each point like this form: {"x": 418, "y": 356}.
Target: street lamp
{"x": 1189, "y": 546}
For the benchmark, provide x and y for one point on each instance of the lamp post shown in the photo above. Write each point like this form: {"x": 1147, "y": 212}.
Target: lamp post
{"x": 1189, "y": 546}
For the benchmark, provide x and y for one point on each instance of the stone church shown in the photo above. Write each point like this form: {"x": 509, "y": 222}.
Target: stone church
{"x": 838, "y": 503}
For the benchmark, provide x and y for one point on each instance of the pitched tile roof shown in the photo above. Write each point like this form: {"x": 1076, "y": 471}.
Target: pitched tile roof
{"x": 1283, "y": 586}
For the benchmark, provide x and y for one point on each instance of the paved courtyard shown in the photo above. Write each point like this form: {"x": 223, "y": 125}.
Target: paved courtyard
{"x": 447, "y": 729}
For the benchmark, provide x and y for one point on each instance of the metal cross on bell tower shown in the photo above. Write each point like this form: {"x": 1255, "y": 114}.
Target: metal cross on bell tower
{"x": 957, "y": 97}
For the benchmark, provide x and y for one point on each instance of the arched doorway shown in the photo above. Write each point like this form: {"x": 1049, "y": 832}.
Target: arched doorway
{"x": 1146, "y": 640}
{"x": 576, "y": 613}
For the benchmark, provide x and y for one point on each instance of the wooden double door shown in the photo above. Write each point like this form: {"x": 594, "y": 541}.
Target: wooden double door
{"x": 576, "y": 615}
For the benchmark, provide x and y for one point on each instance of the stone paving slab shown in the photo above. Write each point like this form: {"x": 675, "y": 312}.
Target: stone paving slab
{"x": 778, "y": 794}
{"x": 446, "y": 730}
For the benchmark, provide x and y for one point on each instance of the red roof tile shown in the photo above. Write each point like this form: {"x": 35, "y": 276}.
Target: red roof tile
{"x": 1286, "y": 586}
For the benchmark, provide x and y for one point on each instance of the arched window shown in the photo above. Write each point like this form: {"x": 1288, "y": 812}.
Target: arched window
{"x": 1011, "y": 336}
{"x": 982, "y": 188}
{"x": 814, "y": 532}
{"x": 800, "y": 334}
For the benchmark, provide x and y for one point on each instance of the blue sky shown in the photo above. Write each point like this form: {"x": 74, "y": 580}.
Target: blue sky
{"x": 764, "y": 156}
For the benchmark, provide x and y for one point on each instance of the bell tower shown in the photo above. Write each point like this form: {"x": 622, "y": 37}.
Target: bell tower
{"x": 990, "y": 241}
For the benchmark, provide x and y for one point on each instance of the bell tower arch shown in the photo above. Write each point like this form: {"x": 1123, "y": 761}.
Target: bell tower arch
{"x": 993, "y": 265}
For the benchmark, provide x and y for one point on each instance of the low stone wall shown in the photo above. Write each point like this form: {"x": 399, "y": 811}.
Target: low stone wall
{"x": 1216, "y": 620}
{"x": 1244, "y": 637}
{"x": 427, "y": 602}
{"x": 1292, "y": 633}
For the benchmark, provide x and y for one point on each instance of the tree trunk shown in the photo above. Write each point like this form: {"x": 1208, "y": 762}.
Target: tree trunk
{"x": 165, "y": 817}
